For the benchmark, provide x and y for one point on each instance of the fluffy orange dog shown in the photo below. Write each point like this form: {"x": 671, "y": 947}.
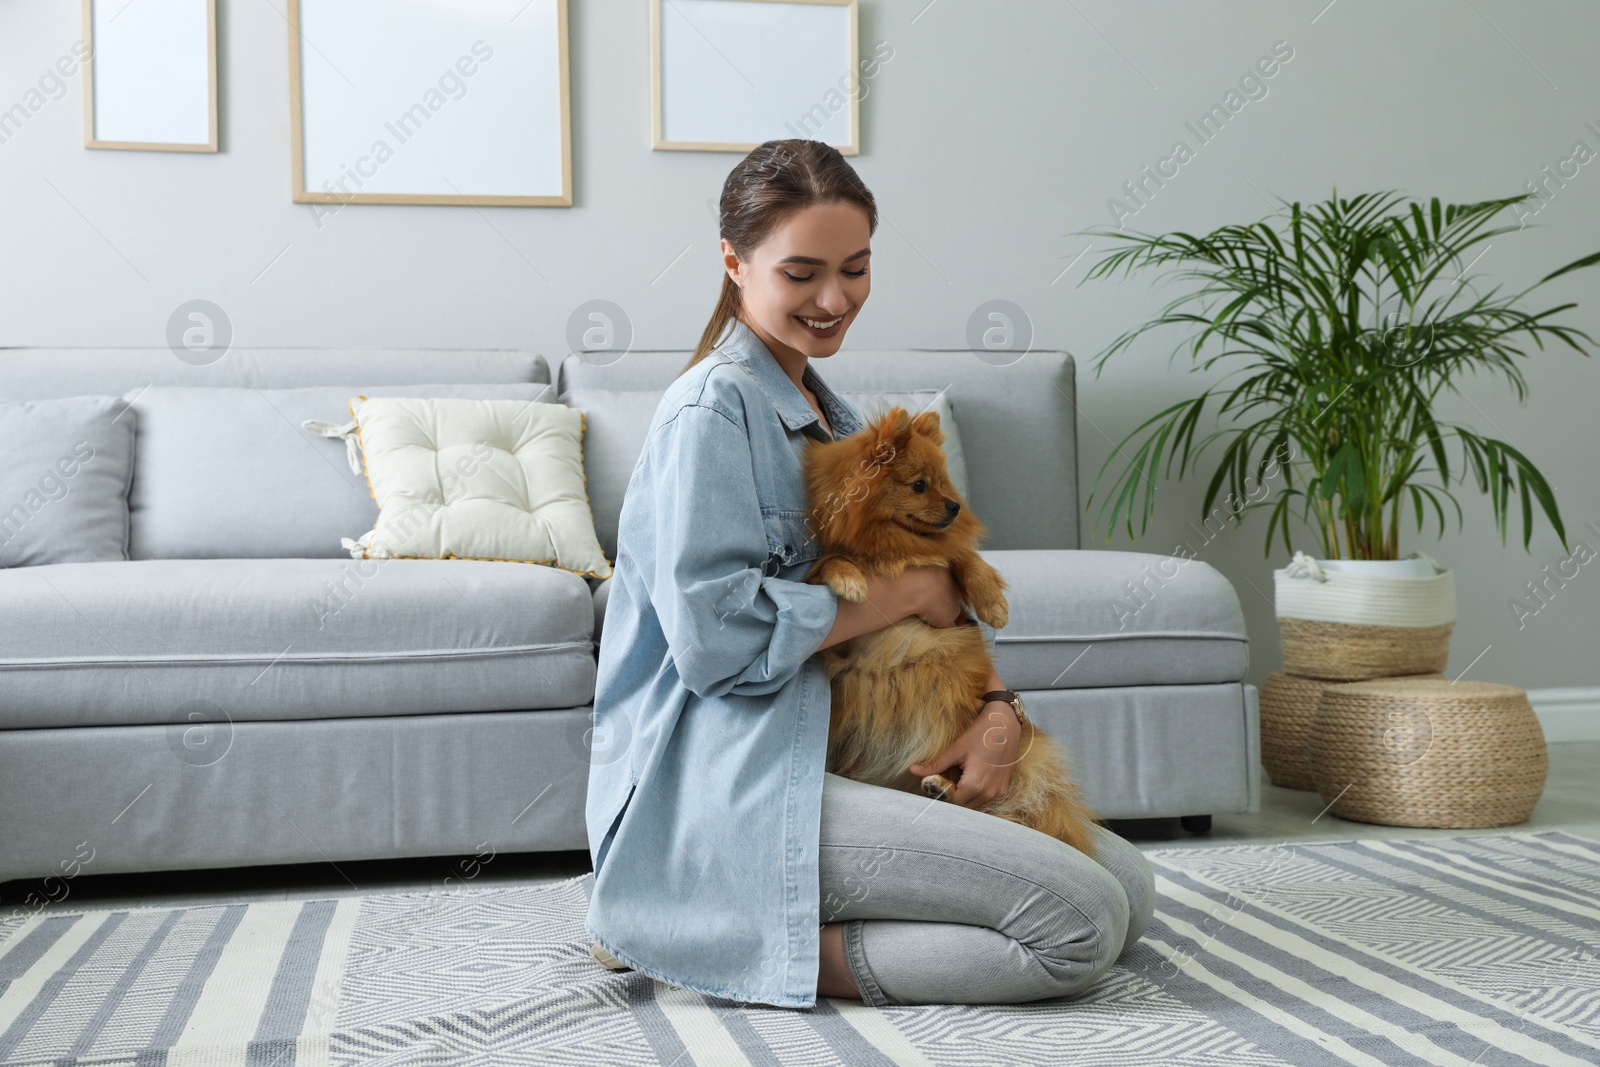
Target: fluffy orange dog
{"x": 881, "y": 501}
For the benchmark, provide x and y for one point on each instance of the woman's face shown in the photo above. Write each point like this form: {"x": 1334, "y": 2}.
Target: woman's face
{"x": 811, "y": 269}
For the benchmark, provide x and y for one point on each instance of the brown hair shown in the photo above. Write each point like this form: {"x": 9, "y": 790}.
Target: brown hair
{"x": 775, "y": 180}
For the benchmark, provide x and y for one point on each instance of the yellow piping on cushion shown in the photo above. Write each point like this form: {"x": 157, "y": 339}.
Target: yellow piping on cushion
{"x": 367, "y": 473}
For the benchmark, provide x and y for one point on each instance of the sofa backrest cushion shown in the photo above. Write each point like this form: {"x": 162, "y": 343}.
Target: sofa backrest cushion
{"x": 230, "y": 473}
{"x": 616, "y": 422}
{"x": 65, "y": 463}
{"x": 1017, "y": 415}
{"x": 33, "y": 373}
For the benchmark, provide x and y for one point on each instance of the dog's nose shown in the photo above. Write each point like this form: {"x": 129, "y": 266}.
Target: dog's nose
{"x": 951, "y": 508}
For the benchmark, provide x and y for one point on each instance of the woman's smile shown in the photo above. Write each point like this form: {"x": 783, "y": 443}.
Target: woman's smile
{"x": 821, "y": 327}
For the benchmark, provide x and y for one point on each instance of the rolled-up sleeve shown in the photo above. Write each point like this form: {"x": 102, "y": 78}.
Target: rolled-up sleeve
{"x": 731, "y": 624}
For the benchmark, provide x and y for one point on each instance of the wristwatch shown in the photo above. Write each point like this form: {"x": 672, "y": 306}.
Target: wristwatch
{"x": 1010, "y": 696}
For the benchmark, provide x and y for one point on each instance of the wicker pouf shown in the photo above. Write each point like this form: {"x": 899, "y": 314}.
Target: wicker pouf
{"x": 1415, "y": 752}
{"x": 1288, "y": 705}
{"x": 1348, "y": 652}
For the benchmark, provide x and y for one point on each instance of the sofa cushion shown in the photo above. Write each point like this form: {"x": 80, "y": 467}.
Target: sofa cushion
{"x": 1082, "y": 619}
{"x": 618, "y": 421}
{"x": 64, "y": 471}
{"x": 602, "y": 597}
{"x": 230, "y": 473}
{"x": 35, "y": 373}
{"x": 477, "y": 479}
{"x": 169, "y": 641}
{"x": 615, "y": 424}
{"x": 1019, "y": 411}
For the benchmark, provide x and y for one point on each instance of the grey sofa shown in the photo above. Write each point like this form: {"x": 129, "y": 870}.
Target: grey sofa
{"x": 240, "y": 691}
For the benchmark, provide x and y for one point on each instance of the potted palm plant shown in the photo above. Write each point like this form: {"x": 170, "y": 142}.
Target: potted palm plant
{"x": 1340, "y": 325}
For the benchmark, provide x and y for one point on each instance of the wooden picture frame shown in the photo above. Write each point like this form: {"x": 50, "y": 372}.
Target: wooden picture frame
{"x": 799, "y": 45}
{"x": 402, "y": 52}
{"x": 120, "y": 63}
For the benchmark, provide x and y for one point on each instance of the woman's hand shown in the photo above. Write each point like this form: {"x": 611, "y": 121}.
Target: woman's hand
{"x": 928, "y": 593}
{"x": 936, "y": 598}
{"x": 986, "y": 753}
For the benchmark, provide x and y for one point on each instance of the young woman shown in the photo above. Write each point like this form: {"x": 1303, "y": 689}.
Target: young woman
{"x": 727, "y": 859}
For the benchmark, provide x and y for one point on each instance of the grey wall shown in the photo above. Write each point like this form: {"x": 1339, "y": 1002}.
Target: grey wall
{"x": 996, "y": 129}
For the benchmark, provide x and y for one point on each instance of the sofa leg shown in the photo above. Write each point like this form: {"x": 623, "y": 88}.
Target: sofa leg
{"x": 1196, "y": 824}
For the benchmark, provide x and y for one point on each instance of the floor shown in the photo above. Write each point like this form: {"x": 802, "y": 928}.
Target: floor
{"x": 1571, "y": 802}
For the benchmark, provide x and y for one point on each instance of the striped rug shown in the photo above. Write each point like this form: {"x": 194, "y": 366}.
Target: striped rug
{"x": 1450, "y": 950}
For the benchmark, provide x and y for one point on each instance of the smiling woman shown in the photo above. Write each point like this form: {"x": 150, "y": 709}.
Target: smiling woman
{"x": 726, "y": 858}
{"x": 798, "y": 276}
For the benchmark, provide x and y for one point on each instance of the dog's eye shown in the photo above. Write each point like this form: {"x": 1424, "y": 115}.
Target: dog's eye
{"x": 919, "y": 486}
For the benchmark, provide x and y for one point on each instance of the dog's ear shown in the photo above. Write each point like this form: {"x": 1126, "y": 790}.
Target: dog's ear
{"x": 902, "y": 424}
{"x": 927, "y": 424}
{"x": 891, "y": 429}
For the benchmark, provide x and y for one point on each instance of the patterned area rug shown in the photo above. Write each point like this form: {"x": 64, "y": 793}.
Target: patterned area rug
{"x": 1447, "y": 950}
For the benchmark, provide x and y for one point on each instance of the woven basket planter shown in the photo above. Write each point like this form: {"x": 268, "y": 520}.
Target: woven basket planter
{"x": 1288, "y": 706}
{"x": 1351, "y": 627}
{"x": 1421, "y": 752}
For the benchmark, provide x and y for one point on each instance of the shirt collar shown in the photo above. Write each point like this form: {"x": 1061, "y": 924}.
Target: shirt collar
{"x": 744, "y": 347}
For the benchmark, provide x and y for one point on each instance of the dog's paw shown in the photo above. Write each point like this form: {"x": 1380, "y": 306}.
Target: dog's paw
{"x": 851, "y": 587}
{"x": 938, "y": 787}
{"x": 845, "y": 579}
{"x": 996, "y": 612}
{"x": 984, "y": 589}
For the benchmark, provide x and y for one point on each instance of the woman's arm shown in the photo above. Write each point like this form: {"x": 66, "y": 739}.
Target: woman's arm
{"x": 693, "y": 518}
{"x": 929, "y": 592}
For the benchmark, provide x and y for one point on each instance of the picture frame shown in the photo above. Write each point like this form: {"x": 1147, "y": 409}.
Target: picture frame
{"x": 150, "y": 75}
{"x": 803, "y": 55}
{"x": 465, "y": 104}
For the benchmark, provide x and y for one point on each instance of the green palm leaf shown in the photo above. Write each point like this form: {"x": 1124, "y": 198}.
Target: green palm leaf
{"x": 1335, "y": 326}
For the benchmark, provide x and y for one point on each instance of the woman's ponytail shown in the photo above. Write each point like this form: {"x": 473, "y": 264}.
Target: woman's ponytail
{"x": 726, "y": 311}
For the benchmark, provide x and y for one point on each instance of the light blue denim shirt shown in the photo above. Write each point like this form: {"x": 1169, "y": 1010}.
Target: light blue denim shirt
{"x": 711, "y": 705}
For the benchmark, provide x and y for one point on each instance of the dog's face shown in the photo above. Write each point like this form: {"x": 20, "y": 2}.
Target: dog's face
{"x": 886, "y": 491}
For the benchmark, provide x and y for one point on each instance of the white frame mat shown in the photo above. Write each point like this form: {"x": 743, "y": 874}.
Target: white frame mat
{"x": 150, "y": 75}
{"x": 726, "y": 75}
{"x": 427, "y": 102}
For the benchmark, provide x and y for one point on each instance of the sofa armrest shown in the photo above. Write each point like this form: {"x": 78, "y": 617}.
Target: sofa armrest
{"x": 1085, "y": 619}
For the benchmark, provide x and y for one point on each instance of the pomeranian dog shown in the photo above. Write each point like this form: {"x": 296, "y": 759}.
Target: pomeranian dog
{"x": 881, "y": 501}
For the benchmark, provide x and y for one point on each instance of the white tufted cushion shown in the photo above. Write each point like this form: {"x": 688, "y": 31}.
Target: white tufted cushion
{"x": 477, "y": 479}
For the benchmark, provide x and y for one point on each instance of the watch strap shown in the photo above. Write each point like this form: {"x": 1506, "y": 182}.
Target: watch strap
{"x": 1009, "y": 696}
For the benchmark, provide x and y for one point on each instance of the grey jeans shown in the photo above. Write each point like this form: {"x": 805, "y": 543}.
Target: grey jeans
{"x": 943, "y": 904}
